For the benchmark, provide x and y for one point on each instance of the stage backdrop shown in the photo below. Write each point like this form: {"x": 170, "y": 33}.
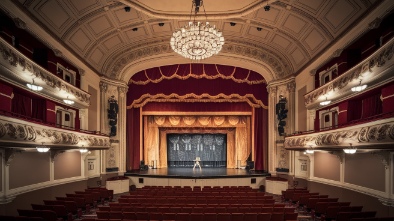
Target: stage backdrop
{"x": 182, "y": 150}
{"x": 196, "y": 90}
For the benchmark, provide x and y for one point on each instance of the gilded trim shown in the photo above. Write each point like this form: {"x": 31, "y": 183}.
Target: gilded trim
{"x": 5, "y": 95}
{"x": 172, "y": 113}
{"x": 195, "y": 76}
{"x": 204, "y": 98}
{"x": 392, "y": 95}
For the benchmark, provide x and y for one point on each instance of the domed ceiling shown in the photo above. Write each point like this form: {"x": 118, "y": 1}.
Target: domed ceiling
{"x": 110, "y": 39}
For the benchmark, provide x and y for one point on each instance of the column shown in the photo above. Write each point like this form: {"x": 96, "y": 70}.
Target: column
{"x": 272, "y": 96}
{"x": 103, "y": 121}
{"x": 291, "y": 107}
{"x": 122, "y": 127}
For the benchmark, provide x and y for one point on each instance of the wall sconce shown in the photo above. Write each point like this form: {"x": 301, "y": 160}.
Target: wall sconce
{"x": 42, "y": 148}
{"x": 34, "y": 87}
{"x": 324, "y": 103}
{"x": 310, "y": 150}
{"x": 161, "y": 24}
{"x": 350, "y": 150}
{"x": 233, "y": 23}
{"x": 127, "y": 9}
{"x": 68, "y": 101}
{"x": 359, "y": 87}
{"x": 259, "y": 29}
{"x": 135, "y": 29}
{"x": 267, "y": 7}
{"x": 83, "y": 150}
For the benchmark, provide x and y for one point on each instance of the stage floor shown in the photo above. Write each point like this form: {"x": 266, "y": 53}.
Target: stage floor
{"x": 204, "y": 173}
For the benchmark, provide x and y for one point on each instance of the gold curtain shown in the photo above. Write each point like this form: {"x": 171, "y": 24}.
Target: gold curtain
{"x": 236, "y": 128}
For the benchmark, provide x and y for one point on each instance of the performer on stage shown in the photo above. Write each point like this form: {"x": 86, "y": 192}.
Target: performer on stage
{"x": 197, "y": 163}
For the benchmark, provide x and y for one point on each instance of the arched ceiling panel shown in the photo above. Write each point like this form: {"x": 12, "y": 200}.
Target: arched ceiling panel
{"x": 109, "y": 39}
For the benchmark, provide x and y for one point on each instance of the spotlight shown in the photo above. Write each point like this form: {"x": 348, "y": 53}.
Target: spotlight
{"x": 259, "y": 29}
{"x": 267, "y": 8}
{"x": 161, "y": 24}
{"x": 127, "y": 9}
{"x": 233, "y": 23}
{"x": 135, "y": 29}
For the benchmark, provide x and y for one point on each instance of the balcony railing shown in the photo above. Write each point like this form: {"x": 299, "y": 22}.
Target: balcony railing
{"x": 348, "y": 124}
{"x": 19, "y": 70}
{"x": 21, "y": 131}
{"x": 376, "y": 132}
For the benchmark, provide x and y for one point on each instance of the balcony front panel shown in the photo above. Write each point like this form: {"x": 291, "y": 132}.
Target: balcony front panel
{"x": 372, "y": 135}
{"x": 16, "y": 133}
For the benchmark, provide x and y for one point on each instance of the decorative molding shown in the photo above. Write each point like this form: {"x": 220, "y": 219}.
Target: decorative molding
{"x": 380, "y": 132}
{"x": 81, "y": 71}
{"x": 103, "y": 87}
{"x": 57, "y": 52}
{"x": 341, "y": 85}
{"x": 19, "y": 23}
{"x": 339, "y": 154}
{"x": 55, "y": 153}
{"x": 384, "y": 157}
{"x": 204, "y": 98}
{"x": 375, "y": 23}
{"x": 29, "y": 134}
{"x": 337, "y": 53}
{"x": 291, "y": 87}
{"x": 18, "y": 60}
{"x": 313, "y": 72}
{"x": 9, "y": 154}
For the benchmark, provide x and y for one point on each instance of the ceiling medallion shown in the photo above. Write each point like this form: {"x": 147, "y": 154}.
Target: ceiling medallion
{"x": 197, "y": 40}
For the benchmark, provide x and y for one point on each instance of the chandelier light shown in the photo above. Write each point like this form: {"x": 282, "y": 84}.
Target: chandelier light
{"x": 197, "y": 40}
{"x": 42, "y": 148}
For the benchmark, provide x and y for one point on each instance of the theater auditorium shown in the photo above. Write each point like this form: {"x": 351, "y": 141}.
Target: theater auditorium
{"x": 196, "y": 110}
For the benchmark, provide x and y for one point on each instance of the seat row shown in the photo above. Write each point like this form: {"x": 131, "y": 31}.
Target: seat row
{"x": 324, "y": 207}
{"x": 199, "y": 216}
{"x": 196, "y": 193}
{"x": 196, "y": 201}
{"x": 69, "y": 207}
{"x": 232, "y": 209}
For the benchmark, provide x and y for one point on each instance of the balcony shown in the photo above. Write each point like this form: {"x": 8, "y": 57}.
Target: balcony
{"x": 375, "y": 71}
{"x": 21, "y": 135}
{"x": 378, "y": 134}
{"x": 19, "y": 70}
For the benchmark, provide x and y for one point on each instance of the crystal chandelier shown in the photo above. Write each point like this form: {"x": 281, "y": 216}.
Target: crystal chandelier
{"x": 197, "y": 40}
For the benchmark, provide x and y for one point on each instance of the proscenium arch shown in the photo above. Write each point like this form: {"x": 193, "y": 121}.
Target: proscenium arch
{"x": 271, "y": 65}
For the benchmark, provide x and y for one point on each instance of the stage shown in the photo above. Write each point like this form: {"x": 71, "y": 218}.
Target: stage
{"x": 204, "y": 177}
{"x": 204, "y": 173}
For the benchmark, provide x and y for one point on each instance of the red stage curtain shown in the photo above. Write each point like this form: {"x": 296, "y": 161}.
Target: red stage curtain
{"x": 133, "y": 138}
{"x": 260, "y": 137}
{"x": 21, "y": 105}
{"x": 198, "y": 107}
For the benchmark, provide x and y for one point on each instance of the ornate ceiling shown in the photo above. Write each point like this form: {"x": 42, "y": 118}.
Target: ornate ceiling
{"x": 116, "y": 44}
